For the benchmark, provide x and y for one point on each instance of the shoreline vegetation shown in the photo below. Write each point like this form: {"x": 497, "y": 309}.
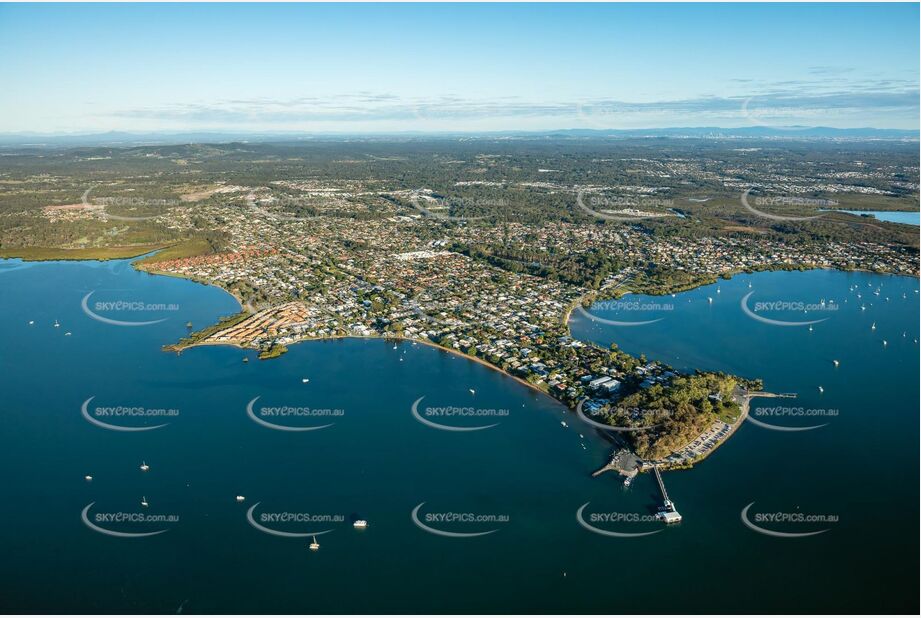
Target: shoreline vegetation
{"x": 158, "y": 252}
{"x": 751, "y": 388}
{"x": 54, "y": 254}
{"x": 645, "y": 286}
{"x": 701, "y": 408}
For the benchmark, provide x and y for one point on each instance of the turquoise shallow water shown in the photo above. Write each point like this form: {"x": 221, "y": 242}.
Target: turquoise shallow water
{"x": 378, "y": 463}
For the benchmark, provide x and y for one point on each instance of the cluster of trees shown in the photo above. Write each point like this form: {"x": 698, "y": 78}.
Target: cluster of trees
{"x": 587, "y": 268}
{"x": 676, "y": 412}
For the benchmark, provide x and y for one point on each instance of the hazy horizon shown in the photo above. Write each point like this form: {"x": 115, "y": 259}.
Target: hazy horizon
{"x": 376, "y": 69}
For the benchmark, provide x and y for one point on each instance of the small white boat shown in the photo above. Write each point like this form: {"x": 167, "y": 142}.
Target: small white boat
{"x": 31, "y": 322}
{"x": 821, "y": 390}
{"x": 57, "y": 324}
{"x": 394, "y": 346}
{"x": 67, "y": 334}
{"x": 305, "y": 380}
{"x": 314, "y": 546}
{"x": 144, "y": 466}
{"x": 873, "y": 327}
{"x": 472, "y": 392}
{"x": 563, "y": 423}
{"x": 627, "y": 481}
{"x": 241, "y": 498}
{"x": 360, "y": 523}
{"x": 709, "y": 299}
{"x": 88, "y": 478}
{"x": 810, "y": 328}
{"x": 836, "y": 362}
{"x": 885, "y": 343}
{"x": 144, "y": 502}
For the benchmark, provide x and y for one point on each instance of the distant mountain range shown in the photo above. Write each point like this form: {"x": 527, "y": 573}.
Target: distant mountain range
{"x": 116, "y": 138}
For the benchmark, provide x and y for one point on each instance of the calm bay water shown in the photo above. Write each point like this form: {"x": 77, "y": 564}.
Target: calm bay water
{"x": 378, "y": 463}
{"x": 893, "y": 216}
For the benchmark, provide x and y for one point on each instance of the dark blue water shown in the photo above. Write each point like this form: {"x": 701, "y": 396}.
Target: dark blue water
{"x": 378, "y": 463}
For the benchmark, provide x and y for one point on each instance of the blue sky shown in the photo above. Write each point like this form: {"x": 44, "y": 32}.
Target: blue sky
{"x": 421, "y": 67}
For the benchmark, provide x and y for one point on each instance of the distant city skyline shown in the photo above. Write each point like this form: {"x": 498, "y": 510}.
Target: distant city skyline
{"x": 357, "y": 68}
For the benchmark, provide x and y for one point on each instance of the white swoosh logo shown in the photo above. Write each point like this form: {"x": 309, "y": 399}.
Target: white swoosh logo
{"x": 290, "y": 535}
{"x": 438, "y": 215}
{"x": 264, "y": 423}
{"x": 761, "y": 122}
{"x": 84, "y": 409}
{"x": 425, "y": 421}
{"x": 85, "y": 199}
{"x": 782, "y": 535}
{"x": 99, "y": 318}
{"x": 755, "y": 316}
{"x": 754, "y": 210}
{"x": 595, "y": 318}
{"x": 455, "y": 535}
{"x": 123, "y": 535}
{"x": 607, "y": 427}
{"x": 621, "y": 535}
{"x": 22, "y": 266}
{"x": 251, "y": 202}
{"x": 602, "y": 215}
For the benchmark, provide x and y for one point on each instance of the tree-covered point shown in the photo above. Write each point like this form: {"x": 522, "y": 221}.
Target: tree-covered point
{"x": 677, "y": 412}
